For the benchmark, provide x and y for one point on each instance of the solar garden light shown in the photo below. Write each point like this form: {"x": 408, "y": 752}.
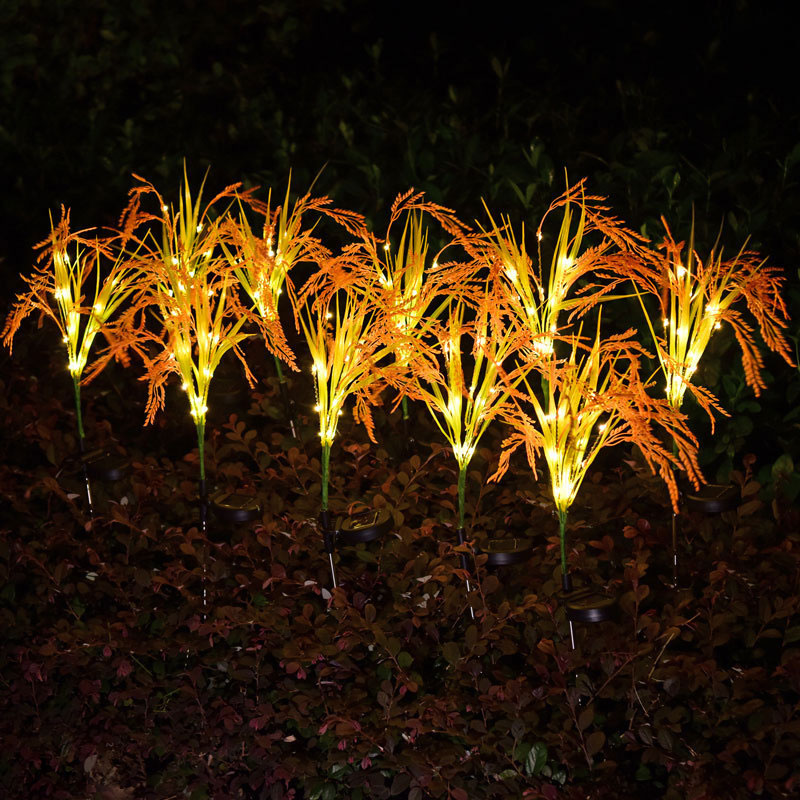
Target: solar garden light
{"x": 697, "y": 298}
{"x": 187, "y": 282}
{"x": 464, "y": 399}
{"x": 262, "y": 263}
{"x": 591, "y": 400}
{"x": 341, "y": 311}
{"x": 79, "y": 283}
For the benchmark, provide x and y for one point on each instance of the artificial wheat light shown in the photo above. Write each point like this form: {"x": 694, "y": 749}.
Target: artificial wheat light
{"x": 595, "y": 399}
{"x": 262, "y": 262}
{"x": 342, "y": 313}
{"x": 697, "y": 297}
{"x": 591, "y": 247}
{"x": 403, "y": 270}
{"x": 463, "y": 402}
{"x": 79, "y": 283}
{"x": 186, "y": 280}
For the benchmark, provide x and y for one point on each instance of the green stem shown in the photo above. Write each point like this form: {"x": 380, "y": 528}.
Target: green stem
{"x": 279, "y": 370}
{"x": 78, "y": 416}
{"x": 462, "y": 482}
{"x": 201, "y": 446}
{"x": 326, "y": 461}
{"x": 405, "y": 408}
{"x": 562, "y": 535}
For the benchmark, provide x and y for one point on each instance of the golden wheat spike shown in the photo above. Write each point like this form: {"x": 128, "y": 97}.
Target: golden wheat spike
{"x": 594, "y": 399}
{"x": 186, "y": 284}
{"x": 80, "y": 283}
{"x": 698, "y": 297}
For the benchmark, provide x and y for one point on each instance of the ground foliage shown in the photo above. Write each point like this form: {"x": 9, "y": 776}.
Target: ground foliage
{"x": 145, "y": 659}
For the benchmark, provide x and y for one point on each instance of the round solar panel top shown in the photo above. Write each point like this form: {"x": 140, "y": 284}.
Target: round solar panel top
{"x": 713, "y": 499}
{"x": 506, "y": 551}
{"x": 364, "y": 526}
{"x": 236, "y": 507}
{"x": 588, "y": 606}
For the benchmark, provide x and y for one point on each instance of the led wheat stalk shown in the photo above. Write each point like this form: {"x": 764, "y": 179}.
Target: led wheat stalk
{"x": 262, "y": 262}
{"x": 403, "y": 270}
{"x": 595, "y": 399}
{"x": 63, "y": 288}
{"x": 463, "y": 407}
{"x": 536, "y": 300}
{"x": 697, "y": 297}
{"x": 341, "y": 313}
{"x": 187, "y": 281}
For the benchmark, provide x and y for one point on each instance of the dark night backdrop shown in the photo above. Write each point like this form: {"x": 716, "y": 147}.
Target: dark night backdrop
{"x": 664, "y": 107}
{"x": 91, "y": 91}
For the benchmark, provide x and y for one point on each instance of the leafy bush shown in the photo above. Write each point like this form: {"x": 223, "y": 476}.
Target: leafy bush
{"x": 144, "y": 659}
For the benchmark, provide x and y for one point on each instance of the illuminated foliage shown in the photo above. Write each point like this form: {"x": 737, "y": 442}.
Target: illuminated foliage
{"x": 402, "y": 267}
{"x": 463, "y": 399}
{"x": 79, "y": 283}
{"x": 262, "y": 262}
{"x": 594, "y": 253}
{"x": 419, "y": 291}
{"x": 696, "y": 297}
{"x": 342, "y": 312}
{"x": 594, "y": 399}
{"x": 186, "y": 280}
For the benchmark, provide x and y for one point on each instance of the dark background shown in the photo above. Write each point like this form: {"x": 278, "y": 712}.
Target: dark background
{"x": 665, "y": 108}
{"x": 449, "y": 97}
